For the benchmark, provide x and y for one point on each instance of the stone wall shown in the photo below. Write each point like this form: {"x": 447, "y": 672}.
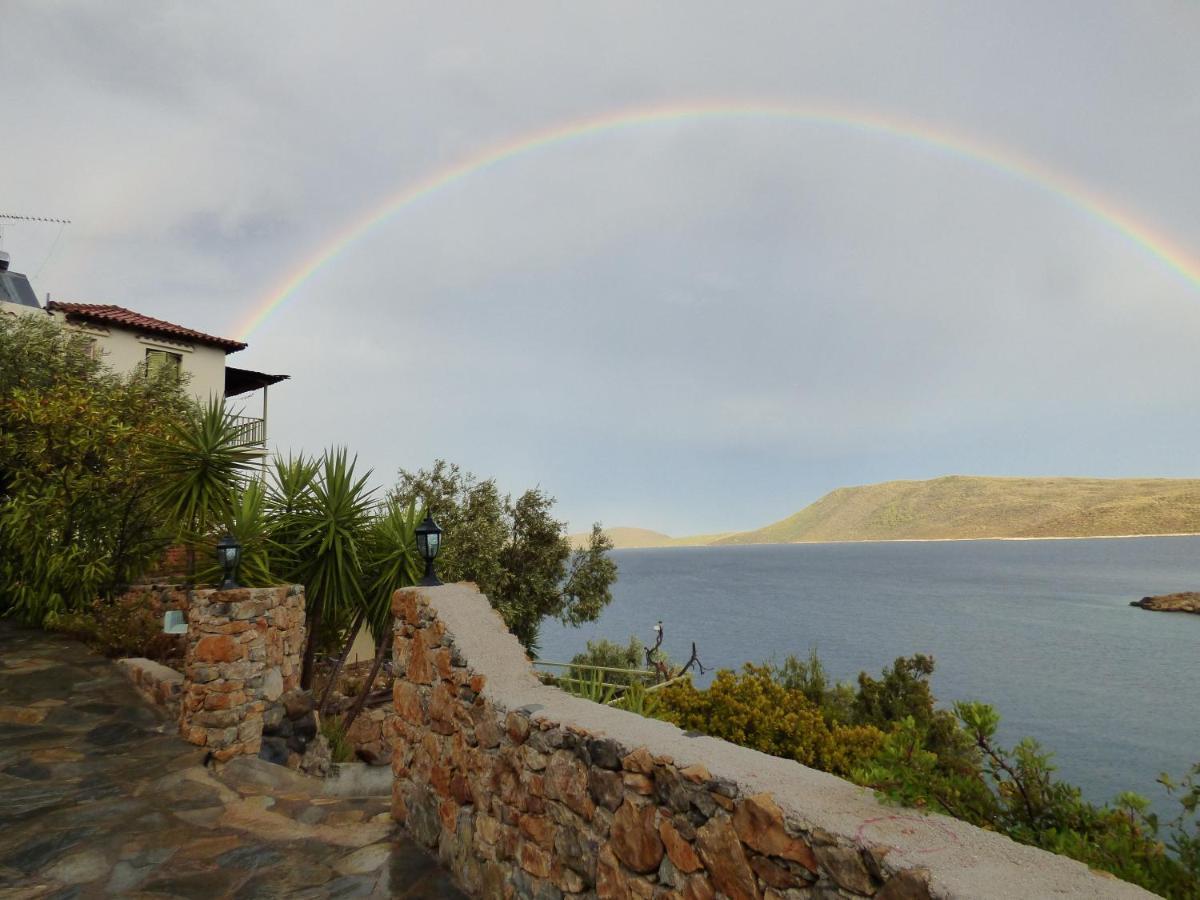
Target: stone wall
{"x": 526, "y": 791}
{"x": 243, "y": 653}
{"x": 371, "y": 735}
{"x": 159, "y": 684}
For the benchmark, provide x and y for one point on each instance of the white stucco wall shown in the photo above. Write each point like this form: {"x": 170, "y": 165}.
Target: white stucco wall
{"x": 17, "y": 309}
{"x": 125, "y": 351}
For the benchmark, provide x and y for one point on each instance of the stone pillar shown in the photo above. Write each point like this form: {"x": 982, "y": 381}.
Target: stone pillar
{"x": 243, "y": 653}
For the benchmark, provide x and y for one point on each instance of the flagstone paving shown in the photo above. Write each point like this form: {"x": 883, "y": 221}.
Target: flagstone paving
{"x": 99, "y": 797}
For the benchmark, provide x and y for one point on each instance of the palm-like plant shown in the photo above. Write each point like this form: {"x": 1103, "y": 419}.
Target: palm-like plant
{"x": 249, "y": 526}
{"x": 395, "y": 563}
{"x": 330, "y": 530}
{"x": 288, "y": 499}
{"x": 201, "y": 465}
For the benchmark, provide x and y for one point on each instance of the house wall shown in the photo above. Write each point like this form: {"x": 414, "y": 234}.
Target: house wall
{"x": 18, "y": 309}
{"x": 125, "y": 351}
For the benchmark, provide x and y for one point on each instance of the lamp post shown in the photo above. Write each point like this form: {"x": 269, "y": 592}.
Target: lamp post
{"x": 429, "y": 541}
{"x": 229, "y": 554}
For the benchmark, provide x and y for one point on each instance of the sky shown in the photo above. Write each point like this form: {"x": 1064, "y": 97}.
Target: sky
{"x": 691, "y": 325}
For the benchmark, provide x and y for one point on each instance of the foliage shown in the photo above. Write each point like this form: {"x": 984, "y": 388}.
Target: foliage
{"x": 1015, "y": 792}
{"x": 202, "y": 465}
{"x": 287, "y": 503}
{"x": 638, "y": 699}
{"x": 754, "y": 709}
{"x": 514, "y": 550}
{"x": 887, "y": 733}
{"x": 393, "y": 562}
{"x": 330, "y": 529}
{"x": 340, "y": 748}
{"x": 125, "y": 626}
{"x": 77, "y": 512}
{"x": 612, "y": 655}
{"x": 590, "y": 685}
{"x": 248, "y": 524}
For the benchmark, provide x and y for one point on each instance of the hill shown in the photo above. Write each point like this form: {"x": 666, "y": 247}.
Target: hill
{"x": 965, "y": 507}
{"x": 631, "y": 538}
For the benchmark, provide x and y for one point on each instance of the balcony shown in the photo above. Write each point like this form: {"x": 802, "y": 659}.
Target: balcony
{"x": 250, "y": 432}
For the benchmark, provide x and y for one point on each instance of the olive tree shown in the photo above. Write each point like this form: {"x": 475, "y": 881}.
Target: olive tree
{"x": 515, "y": 550}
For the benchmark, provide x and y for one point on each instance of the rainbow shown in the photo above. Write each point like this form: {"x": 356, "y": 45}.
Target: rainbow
{"x": 1000, "y": 159}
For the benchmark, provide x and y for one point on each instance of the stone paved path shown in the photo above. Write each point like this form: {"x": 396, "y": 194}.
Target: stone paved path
{"x": 99, "y": 797}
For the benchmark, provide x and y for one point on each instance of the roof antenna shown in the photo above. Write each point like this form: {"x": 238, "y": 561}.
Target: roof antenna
{"x": 9, "y": 218}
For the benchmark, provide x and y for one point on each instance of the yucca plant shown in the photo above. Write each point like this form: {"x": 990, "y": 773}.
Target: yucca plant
{"x": 287, "y": 501}
{"x": 394, "y": 563}
{"x": 590, "y": 685}
{"x": 249, "y": 526}
{"x": 202, "y": 465}
{"x": 330, "y": 533}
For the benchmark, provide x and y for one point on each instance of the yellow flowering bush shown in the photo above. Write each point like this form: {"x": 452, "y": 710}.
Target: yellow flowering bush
{"x": 753, "y": 709}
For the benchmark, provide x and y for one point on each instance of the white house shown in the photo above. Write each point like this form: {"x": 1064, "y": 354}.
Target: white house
{"x": 127, "y": 341}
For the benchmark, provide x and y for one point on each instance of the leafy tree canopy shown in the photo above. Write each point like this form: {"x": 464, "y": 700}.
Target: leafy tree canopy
{"x": 515, "y": 550}
{"x": 78, "y": 509}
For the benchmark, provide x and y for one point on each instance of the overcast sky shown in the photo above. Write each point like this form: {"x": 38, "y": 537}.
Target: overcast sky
{"x": 690, "y": 326}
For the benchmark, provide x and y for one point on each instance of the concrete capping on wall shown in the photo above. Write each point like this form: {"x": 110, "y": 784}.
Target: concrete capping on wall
{"x": 525, "y": 790}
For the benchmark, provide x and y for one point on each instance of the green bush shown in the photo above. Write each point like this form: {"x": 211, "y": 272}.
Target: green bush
{"x": 78, "y": 511}
{"x": 888, "y": 734}
{"x": 125, "y": 626}
{"x": 754, "y": 709}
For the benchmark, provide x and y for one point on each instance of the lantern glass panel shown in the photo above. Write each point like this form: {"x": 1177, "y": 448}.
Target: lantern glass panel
{"x": 434, "y": 543}
{"x": 423, "y": 545}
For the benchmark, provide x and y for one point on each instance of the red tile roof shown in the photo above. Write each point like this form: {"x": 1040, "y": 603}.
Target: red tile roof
{"x": 127, "y": 318}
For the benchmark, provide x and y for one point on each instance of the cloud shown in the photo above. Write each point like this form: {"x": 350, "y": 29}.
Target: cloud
{"x": 690, "y": 326}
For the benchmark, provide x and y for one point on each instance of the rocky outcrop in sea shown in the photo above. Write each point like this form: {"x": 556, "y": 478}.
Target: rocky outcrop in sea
{"x": 1186, "y": 602}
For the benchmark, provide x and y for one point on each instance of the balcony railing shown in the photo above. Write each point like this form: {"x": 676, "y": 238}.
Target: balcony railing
{"x": 250, "y": 432}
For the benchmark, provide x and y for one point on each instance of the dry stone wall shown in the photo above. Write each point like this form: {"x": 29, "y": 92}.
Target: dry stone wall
{"x": 243, "y": 653}
{"x": 526, "y": 791}
{"x": 159, "y": 684}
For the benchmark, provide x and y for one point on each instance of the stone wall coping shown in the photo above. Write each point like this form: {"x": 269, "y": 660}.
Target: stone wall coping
{"x": 964, "y": 861}
{"x": 155, "y": 670}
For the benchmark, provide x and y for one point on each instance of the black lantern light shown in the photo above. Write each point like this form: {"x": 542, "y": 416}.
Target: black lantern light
{"x": 429, "y": 541}
{"x": 229, "y": 554}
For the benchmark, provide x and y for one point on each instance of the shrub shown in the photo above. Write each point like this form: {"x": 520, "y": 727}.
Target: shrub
{"x": 78, "y": 517}
{"x": 126, "y": 626}
{"x": 754, "y": 709}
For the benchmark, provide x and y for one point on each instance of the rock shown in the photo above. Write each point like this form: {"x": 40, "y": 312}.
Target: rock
{"x": 911, "y": 884}
{"x": 722, "y": 853}
{"x": 317, "y": 758}
{"x": 635, "y": 839}
{"x": 365, "y": 859}
{"x": 639, "y": 761}
{"x": 297, "y": 703}
{"x": 758, "y": 821}
{"x": 682, "y": 854}
{"x": 567, "y": 782}
{"x": 274, "y": 750}
{"x": 611, "y": 881}
{"x": 79, "y": 868}
{"x": 606, "y": 788}
{"x": 604, "y": 753}
{"x": 846, "y": 867}
{"x": 272, "y": 686}
{"x": 1186, "y": 602}
{"x": 774, "y": 875}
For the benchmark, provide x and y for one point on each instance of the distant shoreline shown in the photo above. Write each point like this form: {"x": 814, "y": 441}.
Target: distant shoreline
{"x": 1087, "y": 537}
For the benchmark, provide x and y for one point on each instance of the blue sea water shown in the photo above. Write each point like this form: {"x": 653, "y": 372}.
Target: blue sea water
{"x": 1042, "y": 630}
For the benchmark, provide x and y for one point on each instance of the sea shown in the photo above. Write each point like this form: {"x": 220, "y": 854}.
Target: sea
{"x": 1040, "y": 629}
